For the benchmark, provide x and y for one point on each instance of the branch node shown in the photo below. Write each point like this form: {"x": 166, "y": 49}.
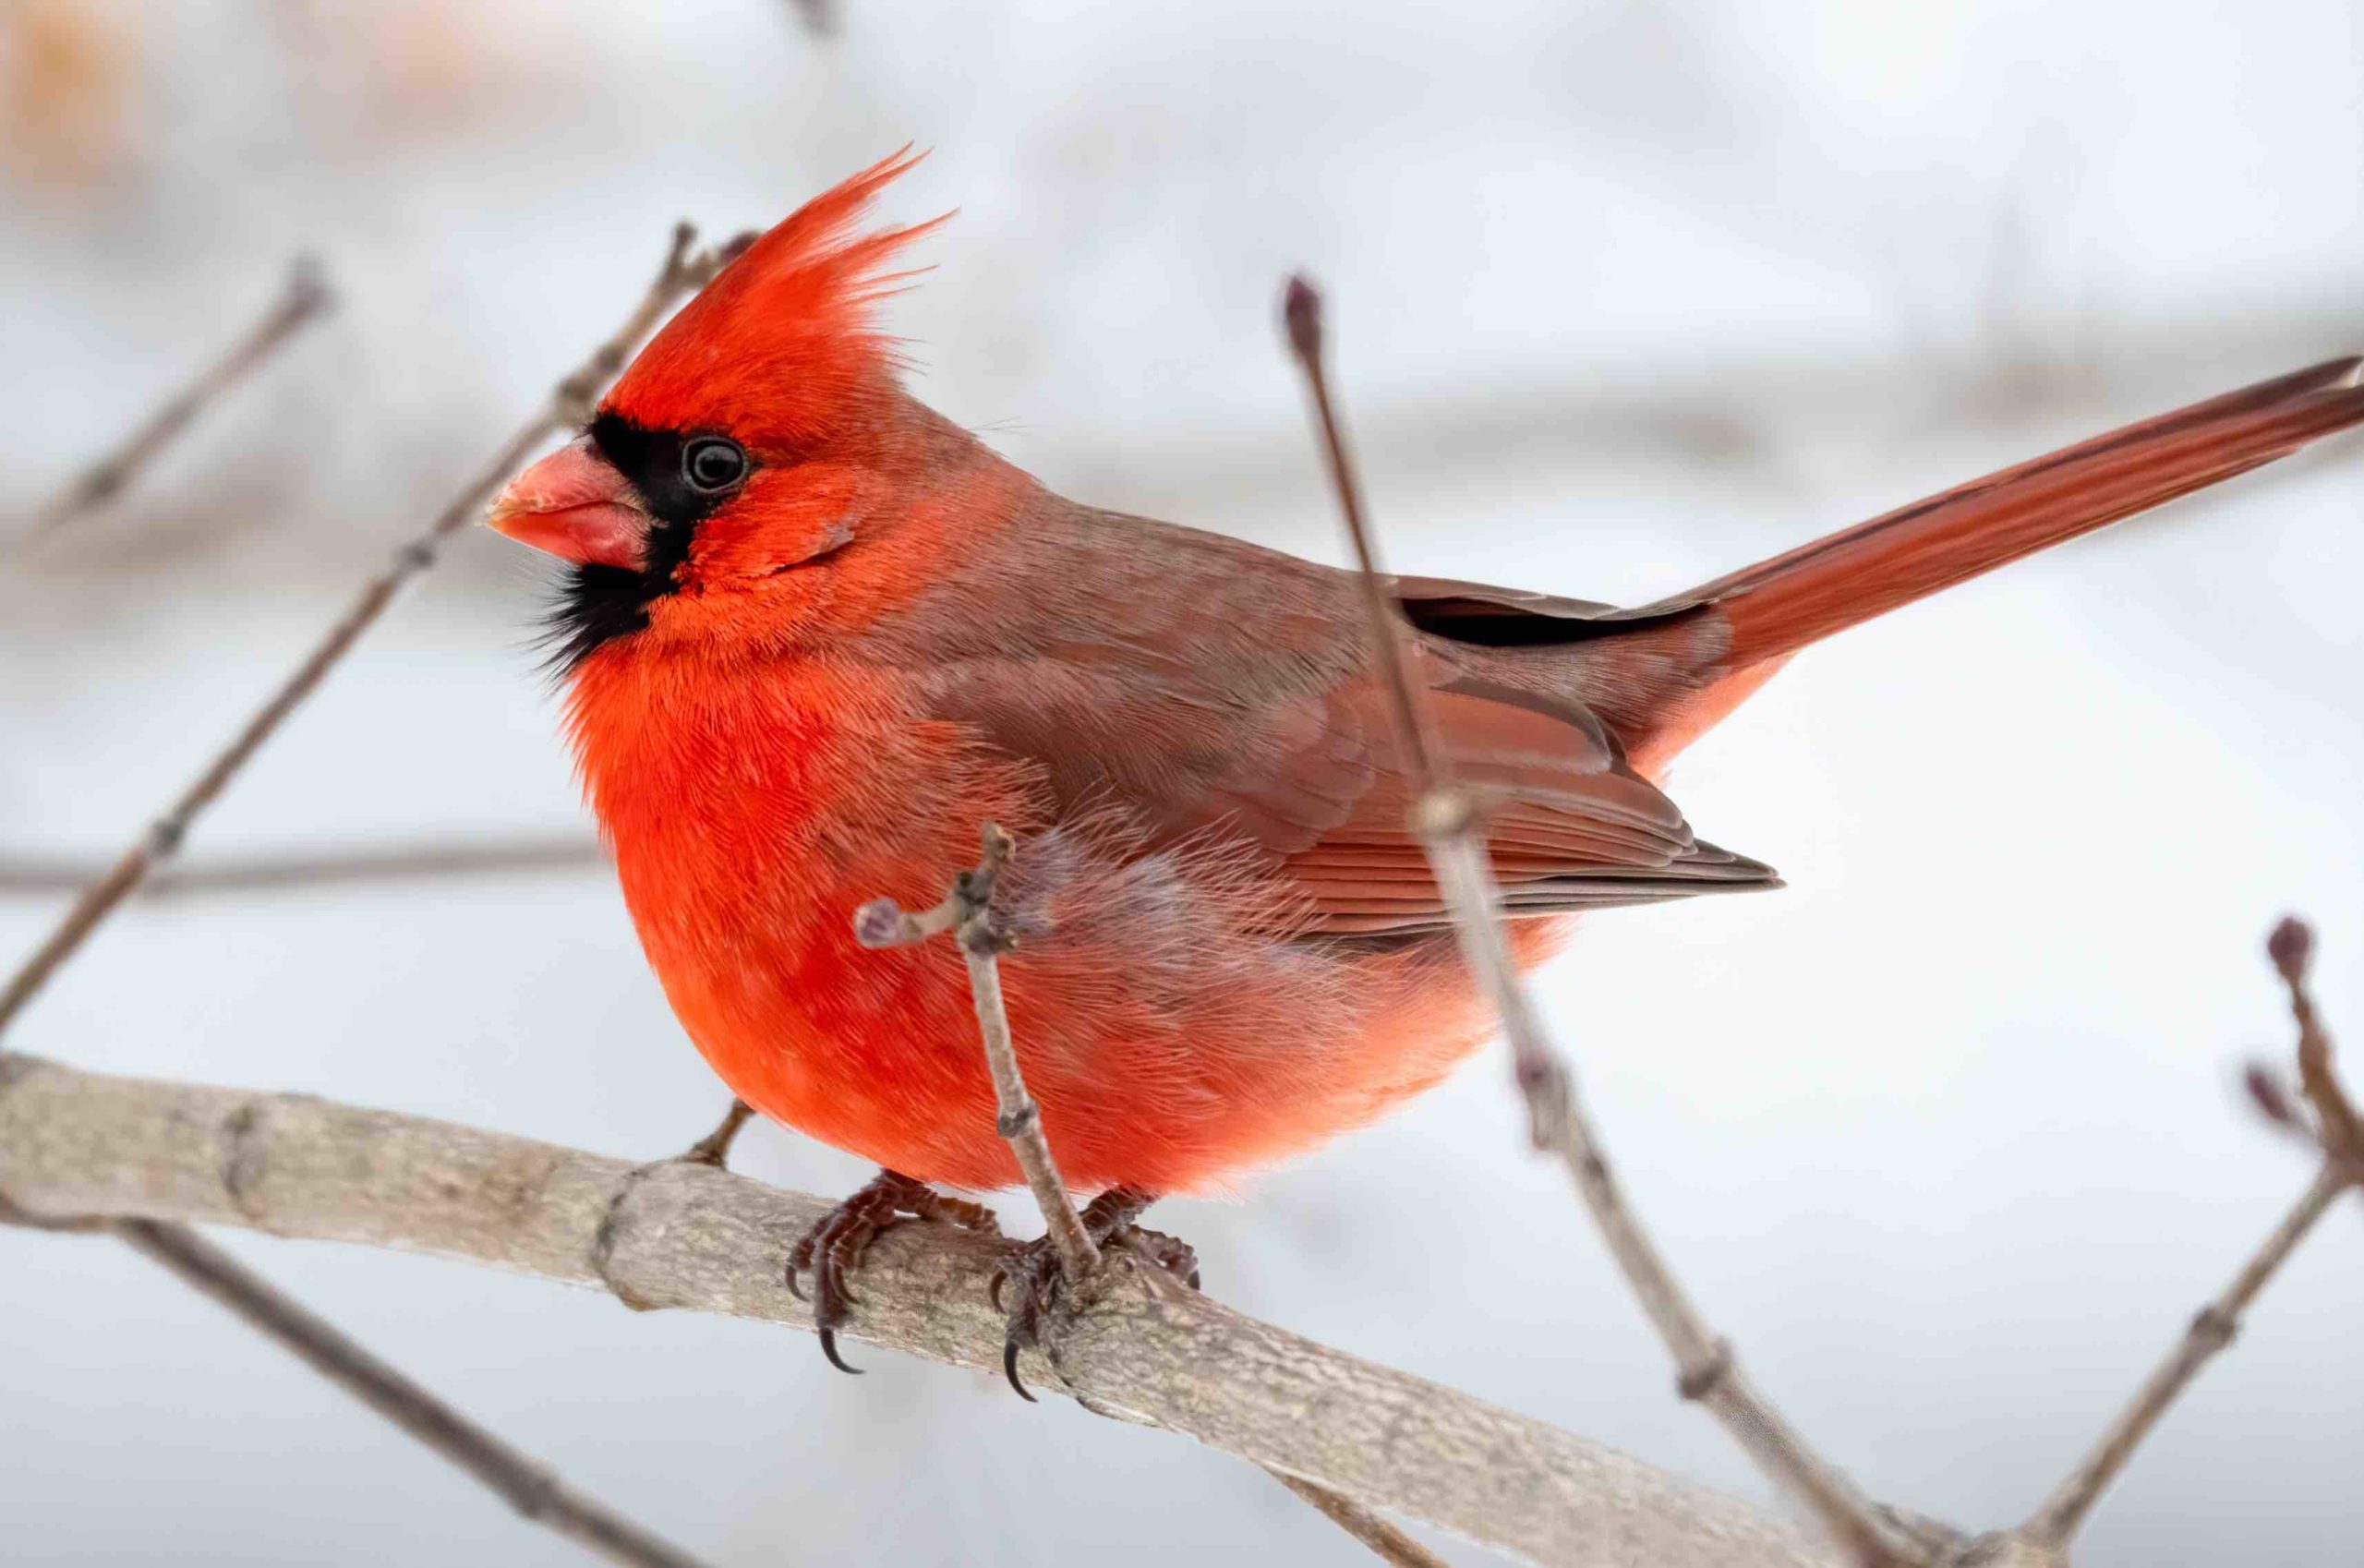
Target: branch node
{"x": 974, "y": 886}
{"x": 100, "y": 485}
{"x": 676, "y": 269}
{"x": 1702, "y": 1381}
{"x": 2271, "y": 1096}
{"x": 2291, "y": 947}
{"x": 243, "y": 1159}
{"x": 2213, "y": 1327}
{"x": 883, "y": 922}
{"x": 985, "y": 936}
{"x": 1446, "y": 813}
{"x": 604, "y": 1239}
{"x": 1301, "y": 313}
{"x": 1012, "y": 1123}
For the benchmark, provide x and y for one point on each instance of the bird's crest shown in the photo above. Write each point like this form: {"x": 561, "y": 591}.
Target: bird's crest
{"x": 782, "y": 343}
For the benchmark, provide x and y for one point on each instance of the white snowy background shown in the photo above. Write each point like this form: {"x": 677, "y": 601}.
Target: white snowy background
{"x": 1945, "y": 1135}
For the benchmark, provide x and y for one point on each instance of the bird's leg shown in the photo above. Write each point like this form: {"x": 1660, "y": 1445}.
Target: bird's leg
{"x": 714, "y": 1148}
{"x": 1034, "y": 1280}
{"x": 833, "y": 1249}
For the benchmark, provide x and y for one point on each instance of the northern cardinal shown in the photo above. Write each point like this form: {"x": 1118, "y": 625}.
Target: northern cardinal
{"x": 815, "y": 635}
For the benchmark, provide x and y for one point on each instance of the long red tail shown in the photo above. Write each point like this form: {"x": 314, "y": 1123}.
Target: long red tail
{"x": 1778, "y": 605}
{"x": 1770, "y": 610}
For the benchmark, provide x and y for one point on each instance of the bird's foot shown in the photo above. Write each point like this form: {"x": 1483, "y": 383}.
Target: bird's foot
{"x": 714, "y": 1148}
{"x": 1033, "y": 1283}
{"x": 833, "y": 1249}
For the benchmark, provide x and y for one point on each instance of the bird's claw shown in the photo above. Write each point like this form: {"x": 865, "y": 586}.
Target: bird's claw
{"x": 1034, "y": 1283}
{"x": 833, "y": 1249}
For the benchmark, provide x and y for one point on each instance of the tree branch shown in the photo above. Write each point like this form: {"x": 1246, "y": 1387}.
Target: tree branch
{"x": 967, "y": 911}
{"x": 305, "y": 298}
{"x": 2213, "y": 1329}
{"x": 1391, "y": 1545}
{"x": 1449, "y": 822}
{"x": 525, "y": 1486}
{"x": 38, "y": 876}
{"x": 2339, "y": 1131}
{"x": 569, "y": 405}
{"x": 689, "y": 1236}
{"x": 314, "y": 1341}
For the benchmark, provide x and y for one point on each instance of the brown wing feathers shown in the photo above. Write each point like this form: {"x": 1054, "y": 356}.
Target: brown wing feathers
{"x": 1571, "y": 827}
{"x": 1201, "y": 684}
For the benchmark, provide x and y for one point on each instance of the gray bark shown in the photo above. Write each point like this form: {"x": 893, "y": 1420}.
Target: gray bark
{"x": 688, "y": 1236}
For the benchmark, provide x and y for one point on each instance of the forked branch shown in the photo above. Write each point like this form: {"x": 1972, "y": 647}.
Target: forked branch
{"x": 2334, "y": 1128}
{"x": 967, "y": 911}
{"x": 173, "y": 1245}
{"x": 570, "y": 404}
{"x": 1449, "y": 822}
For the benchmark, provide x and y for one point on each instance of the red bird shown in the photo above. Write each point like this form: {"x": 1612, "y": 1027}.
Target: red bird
{"x": 815, "y": 635}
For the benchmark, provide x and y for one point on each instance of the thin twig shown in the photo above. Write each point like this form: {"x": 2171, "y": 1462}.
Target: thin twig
{"x": 28, "y": 876}
{"x": 1017, "y": 1119}
{"x": 318, "y": 1343}
{"x": 1392, "y": 1544}
{"x": 305, "y": 298}
{"x": 967, "y": 911}
{"x": 1451, "y": 827}
{"x": 714, "y": 1148}
{"x": 688, "y": 1237}
{"x": 525, "y": 1486}
{"x": 2213, "y": 1329}
{"x": 1390, "y": 647}
{"x": 569, "y": 405}
{"x": 2338, "y": 1127}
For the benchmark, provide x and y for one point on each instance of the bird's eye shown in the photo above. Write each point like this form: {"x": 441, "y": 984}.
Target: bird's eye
{"x": 713, "y": 465}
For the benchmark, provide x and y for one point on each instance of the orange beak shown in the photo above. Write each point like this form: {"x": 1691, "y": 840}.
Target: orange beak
{"x": 573, "y": 504}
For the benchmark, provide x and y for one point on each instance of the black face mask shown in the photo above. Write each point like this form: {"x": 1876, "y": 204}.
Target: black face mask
{"x": 680, "y": 478}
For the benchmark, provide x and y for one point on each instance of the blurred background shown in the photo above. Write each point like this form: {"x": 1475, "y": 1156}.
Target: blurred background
{"x": 1625, "y": 294}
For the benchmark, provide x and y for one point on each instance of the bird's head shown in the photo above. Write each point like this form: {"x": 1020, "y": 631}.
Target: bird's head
{"x": 739, "y": 444}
